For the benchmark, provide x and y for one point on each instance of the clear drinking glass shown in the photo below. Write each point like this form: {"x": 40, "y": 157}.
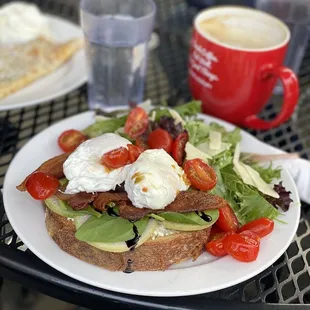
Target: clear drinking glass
{"x": 116, "y": 34}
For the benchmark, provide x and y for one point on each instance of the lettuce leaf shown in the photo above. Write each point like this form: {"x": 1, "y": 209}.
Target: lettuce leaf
{"x": 284, "y": 201}
{"x": 267, "y": 173}
{"x": 223, "y": 159}
{"x": 191, "y": 108}
{"x": 232, "y": 137}
{"x": 104, "y": 126}
{"x": 198, "y": 132}
{"x": 246, "y": 201}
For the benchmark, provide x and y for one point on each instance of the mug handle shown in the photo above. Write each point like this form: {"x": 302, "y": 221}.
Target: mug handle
{"x": 290, "y": 100}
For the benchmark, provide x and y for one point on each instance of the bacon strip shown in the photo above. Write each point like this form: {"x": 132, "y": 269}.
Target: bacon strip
{"x": 186, "y": 201}
{"x": 103, "y": 199}
{"x": 52, "y": 167}
{"x": 77, "y": 201}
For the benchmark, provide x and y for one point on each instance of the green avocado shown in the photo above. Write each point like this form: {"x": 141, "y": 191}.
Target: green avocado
{"x": 63, "y": 209}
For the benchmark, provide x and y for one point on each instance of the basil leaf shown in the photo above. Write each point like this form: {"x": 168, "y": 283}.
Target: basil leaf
{"x": 184, "y": 218}
{"x": 63, "y": 209}
{"x": 105, "y": 229}
{"x": 141, "y": 225}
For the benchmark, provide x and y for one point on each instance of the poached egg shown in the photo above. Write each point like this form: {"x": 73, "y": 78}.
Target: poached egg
{"x": 154, "y": 180}
{"x": 84, "y": 170}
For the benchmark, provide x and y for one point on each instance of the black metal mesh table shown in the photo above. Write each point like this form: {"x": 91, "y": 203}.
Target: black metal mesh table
{"x": 286, "y": 281}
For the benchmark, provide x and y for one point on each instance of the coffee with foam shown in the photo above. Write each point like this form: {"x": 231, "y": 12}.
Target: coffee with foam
{"x": 239, "y": 31}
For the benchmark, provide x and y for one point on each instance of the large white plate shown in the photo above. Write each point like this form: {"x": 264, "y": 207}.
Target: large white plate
{"x": 205, "y": 275}
{"x": 69, "y": 76}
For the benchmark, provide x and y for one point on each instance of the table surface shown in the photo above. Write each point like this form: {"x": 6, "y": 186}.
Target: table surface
{"x": 287, "y": 281}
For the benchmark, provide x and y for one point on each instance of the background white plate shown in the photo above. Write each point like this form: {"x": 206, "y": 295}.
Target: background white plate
{"x": 205, "y": 275}
{"x": 69, "y": 76}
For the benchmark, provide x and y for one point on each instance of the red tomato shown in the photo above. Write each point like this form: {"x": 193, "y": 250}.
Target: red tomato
{"x": 250, "y": 234}
{"x": 141, "y": 144}
{"x": 69, "y": 140}
{"x": 160, "y": 139}
{"x": 116, "y": 158}
{"x": 178, "y": 147}
{"x": 227, "y": 220}
{"x": 242, "y": 247}
{"x": 200, "y": 174}
{"x": 41, "y": 186}
{"x": 136, "y": 122}
{"x": 133, "y": 152}
{"x": 261, "y": 227}
{"x": 216, "y": 246}
{"x": 215, "y": 231}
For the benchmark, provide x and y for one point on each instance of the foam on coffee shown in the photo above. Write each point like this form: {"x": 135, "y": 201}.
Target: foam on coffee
{"x": 241, "y": 31}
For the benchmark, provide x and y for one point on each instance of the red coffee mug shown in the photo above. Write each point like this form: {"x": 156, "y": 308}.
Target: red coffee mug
{"x": 232, "y": 73}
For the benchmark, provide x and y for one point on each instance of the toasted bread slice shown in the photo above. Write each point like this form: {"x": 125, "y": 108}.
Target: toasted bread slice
{"x": 25, "y": 63}
{"x": 157, "y": 254}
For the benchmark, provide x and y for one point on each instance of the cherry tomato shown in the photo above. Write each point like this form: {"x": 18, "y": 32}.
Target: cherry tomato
{"x": 178, "y": 147}
{"x": 261, "y": 227}
{"x": 160, "y": 139}
{"x": 136, "y": 122}
{"x": 250, "y": 234}
{"x": 69, "y": 140}
{"x": 242, "y": 247}
{"x": 227, "y": 220}
{"x": 141, "y": 144}
{"x": 200, "y": 174}
{"x": 116, "y": 158}
{"x": 41, "y": 186}
{"x": 215, "y": 231}
{"x": 216, "y": 245}
{"x": 133, "y": 152}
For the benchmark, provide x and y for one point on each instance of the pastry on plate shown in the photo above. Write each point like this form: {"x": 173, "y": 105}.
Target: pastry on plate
{"x": 28, "y": 50}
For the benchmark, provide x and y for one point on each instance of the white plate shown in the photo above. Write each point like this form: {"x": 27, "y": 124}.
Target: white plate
{"x": 69, "y": 76}
{"x": 205, "y": 275}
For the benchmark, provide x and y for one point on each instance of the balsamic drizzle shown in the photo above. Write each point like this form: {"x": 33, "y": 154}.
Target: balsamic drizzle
{"x": 204, "y": 216}
{"x": 128, "y": 268}
{"x": 131, "y": 244}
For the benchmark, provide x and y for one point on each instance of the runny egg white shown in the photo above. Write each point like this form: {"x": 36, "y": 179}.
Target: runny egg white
{"x": 84, "y": 170}
{"x": 154, "y": 180}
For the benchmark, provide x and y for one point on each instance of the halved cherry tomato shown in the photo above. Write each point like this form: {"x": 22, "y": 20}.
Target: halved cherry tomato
{"x": 141, "y": 144}
{"x": 250, "y": 234}
{"x": 136, "y": 122}
{"x": 116, "y": 158}
{"x": 178, "y": 147}
{"x": 200, "y": 174}
{"x": 216, "y": 245}
{"x": 160, "y": 139}
{"x": 133, "y": 152}
{"x": 41, "y": 186}
{"x": 227, "y": 220}
{"x": 261, "y": 227}
{"x": 215, "y": 231}
{"x": 242, "y": 247}
{"x": 69, "y": 140}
